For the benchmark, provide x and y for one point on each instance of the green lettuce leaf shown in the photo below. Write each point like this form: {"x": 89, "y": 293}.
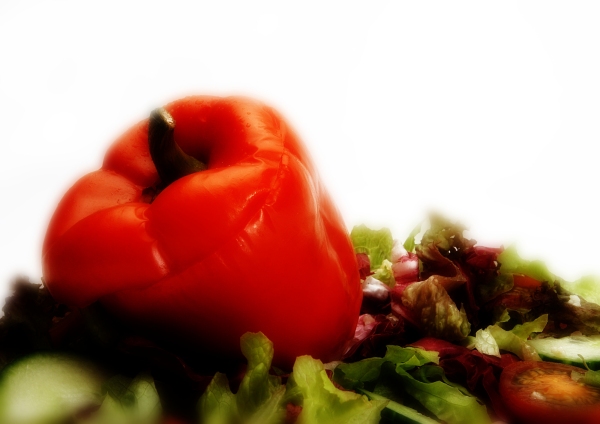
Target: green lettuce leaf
{"x": 446, "y": 401}
{"x": 512, "y": 263}
{"x": 323, "y": 403}
{"x": 400, "y": 413}
{"x": 410, "y": 242}
{"x": 259, "y": 399}
{"x": 377, "y": 244}
{"x": 590, "y": 377}
{"x": 262, "y": 398}
{"x": 385, "y": 274}
{"x": 258, "y": 385}
{"x": 486, "y": 343}
{"x": 408, "y": 358}
{"x": 525, "y": 330}
{"x": 129, "y": 402}
{"x": 515, "y": 340}
{"x": 217, "y": 405}
{"x": 355, "y": 375}
{"x": 587, "y": 287}
{"x": 412, "y": 372}
{"x": 576, "y": 304}
{"x": 444, "y": 236}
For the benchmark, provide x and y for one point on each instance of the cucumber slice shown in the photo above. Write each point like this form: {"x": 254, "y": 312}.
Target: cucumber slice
{"x": 566, "y": 350}
{"x": 46, "y": 388}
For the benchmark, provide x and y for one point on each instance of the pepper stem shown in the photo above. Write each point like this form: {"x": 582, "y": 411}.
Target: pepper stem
{"x": 171, "y": 162}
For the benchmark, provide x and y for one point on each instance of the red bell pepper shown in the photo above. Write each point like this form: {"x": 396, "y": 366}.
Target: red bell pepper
{"x": 227, "y": 230}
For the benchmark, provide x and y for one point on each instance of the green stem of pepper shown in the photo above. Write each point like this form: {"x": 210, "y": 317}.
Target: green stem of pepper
{"x": 171, "y": 162}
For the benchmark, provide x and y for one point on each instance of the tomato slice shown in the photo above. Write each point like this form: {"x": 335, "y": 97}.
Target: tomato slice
{"x": 544, "y": 392}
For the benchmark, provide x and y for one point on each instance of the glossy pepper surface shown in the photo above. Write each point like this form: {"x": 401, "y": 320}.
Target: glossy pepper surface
{"x": 249, "y": 241}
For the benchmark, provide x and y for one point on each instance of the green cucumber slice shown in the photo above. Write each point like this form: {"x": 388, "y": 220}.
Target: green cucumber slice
{"x": 567, "y": 350}
{"x": 46, "y": 388}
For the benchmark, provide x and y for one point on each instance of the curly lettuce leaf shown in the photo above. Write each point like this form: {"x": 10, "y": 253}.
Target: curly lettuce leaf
{"x": 129, "y": 402}
{"x": 512, "y": 263}
{"x": 385, "y": 273}
{"x": 259, "y": 399}
{"x": 323, "y": 403}
{"x": 262, "y": 398}
{"x": 587, "y": 287}
{"x": 441, "y": 248}
{"x": 493, "y": 339}
{"x": 486, "y": 343}
{"x": 446, "y": 401}
{"x": 445, "y": 236}
{"x": 217, "y": 405}
{"x": 399, "y": 412}
{"x": 524, "y": 331}
{"x": 413, "y": 372}
{"x": 511, "y": 343}
{"x": 410, "y": 242}
{"x": 257, "y": 386}
{"x": 374, "y": 333}
{"x": 358, "y": 374}
{"x": 435, "y": 310}
{"x": 377, "y": 244}
{"x": 460, "y": 266}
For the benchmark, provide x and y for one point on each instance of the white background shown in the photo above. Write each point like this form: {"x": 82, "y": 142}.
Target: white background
{"x": 488, "y": 112}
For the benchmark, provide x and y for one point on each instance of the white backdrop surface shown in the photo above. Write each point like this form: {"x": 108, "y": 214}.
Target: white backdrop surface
{"x": 485, "y": 111}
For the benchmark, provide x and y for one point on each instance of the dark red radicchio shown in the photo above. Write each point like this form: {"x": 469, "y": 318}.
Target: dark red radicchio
{"x": 478, "y": 372}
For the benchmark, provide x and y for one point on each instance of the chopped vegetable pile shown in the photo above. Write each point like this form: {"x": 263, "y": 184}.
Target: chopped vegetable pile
{"x": 442, "y": 318}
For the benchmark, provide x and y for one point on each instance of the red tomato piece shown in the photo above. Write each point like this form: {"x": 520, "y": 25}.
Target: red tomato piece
{"x": 537, "y": 392}
{"x": 525, "y": 281}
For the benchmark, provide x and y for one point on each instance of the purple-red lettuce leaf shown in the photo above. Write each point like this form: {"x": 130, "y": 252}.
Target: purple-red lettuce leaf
{"x": 375, "y": 332}
{"x": 478, "y": 372}
{"x": 429, "y": 305}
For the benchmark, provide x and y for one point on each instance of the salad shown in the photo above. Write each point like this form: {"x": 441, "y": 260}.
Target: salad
{"x": 449, "y": 331}
{"x": 203, "y": 275}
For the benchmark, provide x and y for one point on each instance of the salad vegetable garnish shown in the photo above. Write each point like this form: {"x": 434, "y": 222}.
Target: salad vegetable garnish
{"x": 203, "y": 276}
{"x": 480, "y": 308}
{"x": 409, "y": 375}
{"x": 405, "y": 363}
